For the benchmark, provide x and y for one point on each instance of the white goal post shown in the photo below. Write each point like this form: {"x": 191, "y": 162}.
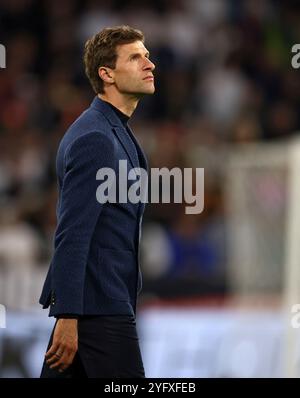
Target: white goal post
{"x": 262, "y": 197}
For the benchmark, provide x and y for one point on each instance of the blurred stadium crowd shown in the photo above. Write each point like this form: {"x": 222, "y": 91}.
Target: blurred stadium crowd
{"x": 223, "y": 77}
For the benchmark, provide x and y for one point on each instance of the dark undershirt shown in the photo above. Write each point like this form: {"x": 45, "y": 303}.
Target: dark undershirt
{"x": 124, "y": 118}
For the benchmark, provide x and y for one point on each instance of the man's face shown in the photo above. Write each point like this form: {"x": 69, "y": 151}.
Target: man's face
{"x": 133, "y": 73}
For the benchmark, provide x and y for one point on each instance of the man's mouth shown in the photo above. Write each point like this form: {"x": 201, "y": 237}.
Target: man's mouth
{"x": 150, "y": 78}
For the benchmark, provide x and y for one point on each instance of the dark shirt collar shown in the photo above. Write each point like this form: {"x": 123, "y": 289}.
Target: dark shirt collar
{"x": 124, "y": 118}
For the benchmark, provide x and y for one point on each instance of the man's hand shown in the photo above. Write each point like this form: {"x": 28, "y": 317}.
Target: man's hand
{"x": 64, "y": 344}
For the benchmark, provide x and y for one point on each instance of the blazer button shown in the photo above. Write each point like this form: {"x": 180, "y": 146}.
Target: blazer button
{"x": 53, "y": 299}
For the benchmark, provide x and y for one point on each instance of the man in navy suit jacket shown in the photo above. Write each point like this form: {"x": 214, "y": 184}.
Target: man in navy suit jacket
{"x": 94, "y": 276}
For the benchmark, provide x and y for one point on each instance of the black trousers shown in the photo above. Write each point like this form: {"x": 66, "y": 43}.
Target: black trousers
{"x": 108, "y": 346}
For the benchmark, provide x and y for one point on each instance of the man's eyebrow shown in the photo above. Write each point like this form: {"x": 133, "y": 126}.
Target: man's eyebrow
{"x": 147, "y": 54}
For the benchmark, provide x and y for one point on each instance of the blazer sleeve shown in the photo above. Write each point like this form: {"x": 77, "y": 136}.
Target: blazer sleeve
{"x": 79, "y": 212}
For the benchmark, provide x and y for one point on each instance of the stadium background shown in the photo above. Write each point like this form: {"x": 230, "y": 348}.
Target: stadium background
{"x": 227, "y": 99}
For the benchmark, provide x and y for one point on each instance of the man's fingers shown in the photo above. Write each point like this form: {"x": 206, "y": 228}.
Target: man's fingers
{"x": 64, "y": 344}
{"x": 54, "y": 358}
{"x": 64, "y": 362}
{"x": 52, "y": 350}
{"x": 55, "y": 365}
{"x": 59, "y": 361}
{"x": 54, "y": 353}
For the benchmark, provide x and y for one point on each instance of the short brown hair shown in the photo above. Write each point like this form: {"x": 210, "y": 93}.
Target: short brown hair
{"x": 100, "y": 50}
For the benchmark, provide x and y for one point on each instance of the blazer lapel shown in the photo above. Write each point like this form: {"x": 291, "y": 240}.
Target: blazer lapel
{"x": 127, "y": 144}
{"x": 118, "y": 129}
{"x": 142, "y": 157}
{"x": 122, "y": 135}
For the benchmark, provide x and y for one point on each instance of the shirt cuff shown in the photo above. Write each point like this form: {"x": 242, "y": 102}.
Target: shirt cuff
{"x": 67, "y": 316}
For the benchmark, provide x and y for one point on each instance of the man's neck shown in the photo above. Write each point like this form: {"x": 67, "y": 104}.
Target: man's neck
{"x": 125, "y": 104}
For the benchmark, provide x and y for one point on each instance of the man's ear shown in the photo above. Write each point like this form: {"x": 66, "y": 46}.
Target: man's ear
{"x": 105, "y": 74}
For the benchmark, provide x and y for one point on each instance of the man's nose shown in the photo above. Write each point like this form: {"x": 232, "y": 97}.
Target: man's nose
{"x": 149, "y": 64}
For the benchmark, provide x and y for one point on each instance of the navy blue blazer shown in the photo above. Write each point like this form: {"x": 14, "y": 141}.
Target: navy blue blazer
{"x": 95, "y": 266}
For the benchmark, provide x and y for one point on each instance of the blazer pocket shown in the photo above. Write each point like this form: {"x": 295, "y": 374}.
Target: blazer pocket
{"x": 116, "y": 273}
